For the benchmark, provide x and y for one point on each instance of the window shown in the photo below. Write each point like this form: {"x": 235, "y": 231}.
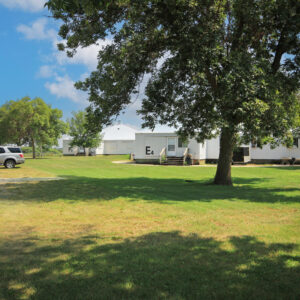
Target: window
{"x": 2, "y": 150}
{"x": 246, "y": 151}
{"x": 171, "y": 144}
{"x": 296, "y": 142}
{"x": 182, "y": 143}
{"x": 14, "y": 150}
{"x": 171, "y": 147}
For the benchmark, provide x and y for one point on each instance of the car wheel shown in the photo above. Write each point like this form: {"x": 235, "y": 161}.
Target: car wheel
{"x": 10, "y": 164}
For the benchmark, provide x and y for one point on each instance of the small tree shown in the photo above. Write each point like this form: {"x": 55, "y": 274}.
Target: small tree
{"x": 80, "y": 132}
{"x": 49, "y": 137}
{"x": 31, "y": 121}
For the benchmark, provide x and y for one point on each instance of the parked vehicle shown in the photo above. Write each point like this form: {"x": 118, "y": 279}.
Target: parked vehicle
{"x": 11, "y": 156}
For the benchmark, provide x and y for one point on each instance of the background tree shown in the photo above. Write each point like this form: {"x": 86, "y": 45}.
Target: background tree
{"x": 296, "y": 131}
{"x": 31, "y": 121}
{"x": 55, "y": 127}
{"x": 225, "y": 67}
{"x": 82, "y": 135}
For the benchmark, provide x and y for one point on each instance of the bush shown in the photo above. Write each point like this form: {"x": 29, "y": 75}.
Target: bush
{"x": 26, "y": 149}
{"x": 48, "y": 152}
{"x": 55, "y": 151}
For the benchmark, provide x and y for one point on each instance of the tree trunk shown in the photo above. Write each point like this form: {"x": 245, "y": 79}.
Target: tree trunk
{"x": 227, "y": 141}
{"x": 33, "y": 149}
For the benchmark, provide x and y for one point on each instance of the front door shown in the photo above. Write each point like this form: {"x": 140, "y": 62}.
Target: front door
{"x": 171, "y": 150}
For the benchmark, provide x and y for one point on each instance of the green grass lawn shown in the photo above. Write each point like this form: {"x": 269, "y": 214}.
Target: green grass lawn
{"x": 112, "y": 231}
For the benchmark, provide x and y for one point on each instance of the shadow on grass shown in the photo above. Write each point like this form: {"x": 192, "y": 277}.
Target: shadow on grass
{"x": 149, "y": 189}
{"x": 153, "y": 266}
{"x": 16, "y": 167}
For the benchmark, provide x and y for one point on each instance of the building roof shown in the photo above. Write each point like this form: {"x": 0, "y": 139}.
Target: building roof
{"x": 118, "y": 132}
{"x": 160, "y": 129}
{"x": 124, "y": 132}
{"x": 168, "y": 134}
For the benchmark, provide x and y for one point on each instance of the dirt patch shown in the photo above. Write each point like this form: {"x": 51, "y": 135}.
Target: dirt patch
{"x": 28, "y": 179}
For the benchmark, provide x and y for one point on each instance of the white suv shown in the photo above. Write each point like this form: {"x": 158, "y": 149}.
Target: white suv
{"x": 11, "y": 156}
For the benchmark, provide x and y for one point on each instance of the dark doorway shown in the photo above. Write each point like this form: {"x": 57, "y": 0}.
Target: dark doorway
{"x": 239, "y": 154}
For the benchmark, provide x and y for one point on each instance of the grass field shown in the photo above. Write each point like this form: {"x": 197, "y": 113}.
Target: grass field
{"x": 111, "y": 231}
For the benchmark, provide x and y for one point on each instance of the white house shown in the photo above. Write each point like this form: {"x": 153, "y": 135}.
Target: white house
{"x": 267, "y": 154}
{"x": 155, "y": 147}
{"x": 256, "y": 154}
{"x": 67, "y": 149}
{"x": 150, "y": 147}
{"x": 116, "y": 139}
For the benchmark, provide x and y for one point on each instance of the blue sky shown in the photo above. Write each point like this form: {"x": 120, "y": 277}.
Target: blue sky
{"x": 31, "y": 65}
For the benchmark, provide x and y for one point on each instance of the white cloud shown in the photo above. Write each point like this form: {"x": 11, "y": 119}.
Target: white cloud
{"x": 37, "y": 30}
{"x": 27, "y": 5}
{"x": 84, "y": 76}
{"x": 87, "y": 56}
{"x": 63, "y": 87}
{"x": 46, "y": 72}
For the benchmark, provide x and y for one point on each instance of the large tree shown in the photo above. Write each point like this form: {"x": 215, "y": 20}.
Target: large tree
{"x": 30, "y": 121}
{"x": 227, "y": 67}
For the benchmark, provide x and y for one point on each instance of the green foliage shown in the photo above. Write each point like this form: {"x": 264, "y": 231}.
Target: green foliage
{"x": 26, "y": 150}
{"x": 296, "y": 131}
{"x": 55, "y": 151}
{"x": 81, "y": 135}
{"x": 224, "y": 62}
{"x": 44, "y": 152}
{"x": 163, "y": 159}
{"x": 214, "y": 66}
{"x": 31, "y": 121}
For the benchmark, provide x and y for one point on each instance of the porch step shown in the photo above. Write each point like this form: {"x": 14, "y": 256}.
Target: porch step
{"x": 173, "y": 160}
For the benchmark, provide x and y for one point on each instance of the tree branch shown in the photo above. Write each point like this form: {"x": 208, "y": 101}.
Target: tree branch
{"x": 211, "y": 79}
{"x": 280, "y": 49}
{"x": 237, "y": 36}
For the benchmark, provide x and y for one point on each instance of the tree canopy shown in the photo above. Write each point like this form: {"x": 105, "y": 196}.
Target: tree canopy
{"x": 82, "y": 135}
{"x": 30, "y": 121}
{"x": 223, "y": 67}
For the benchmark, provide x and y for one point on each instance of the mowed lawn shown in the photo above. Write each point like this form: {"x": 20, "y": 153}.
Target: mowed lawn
{"x": 112, "y": 231}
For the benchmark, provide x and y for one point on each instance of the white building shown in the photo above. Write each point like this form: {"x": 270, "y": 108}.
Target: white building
{"x": 116, "y": 139}
{"x": 67, "y": 149}
{"x": 149, "y": 147}
{"x": 152, "y": 147}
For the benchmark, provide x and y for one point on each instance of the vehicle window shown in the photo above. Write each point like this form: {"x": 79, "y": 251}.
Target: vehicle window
{"x": 14, "y": 150}
{"x": 2, "y": 150}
